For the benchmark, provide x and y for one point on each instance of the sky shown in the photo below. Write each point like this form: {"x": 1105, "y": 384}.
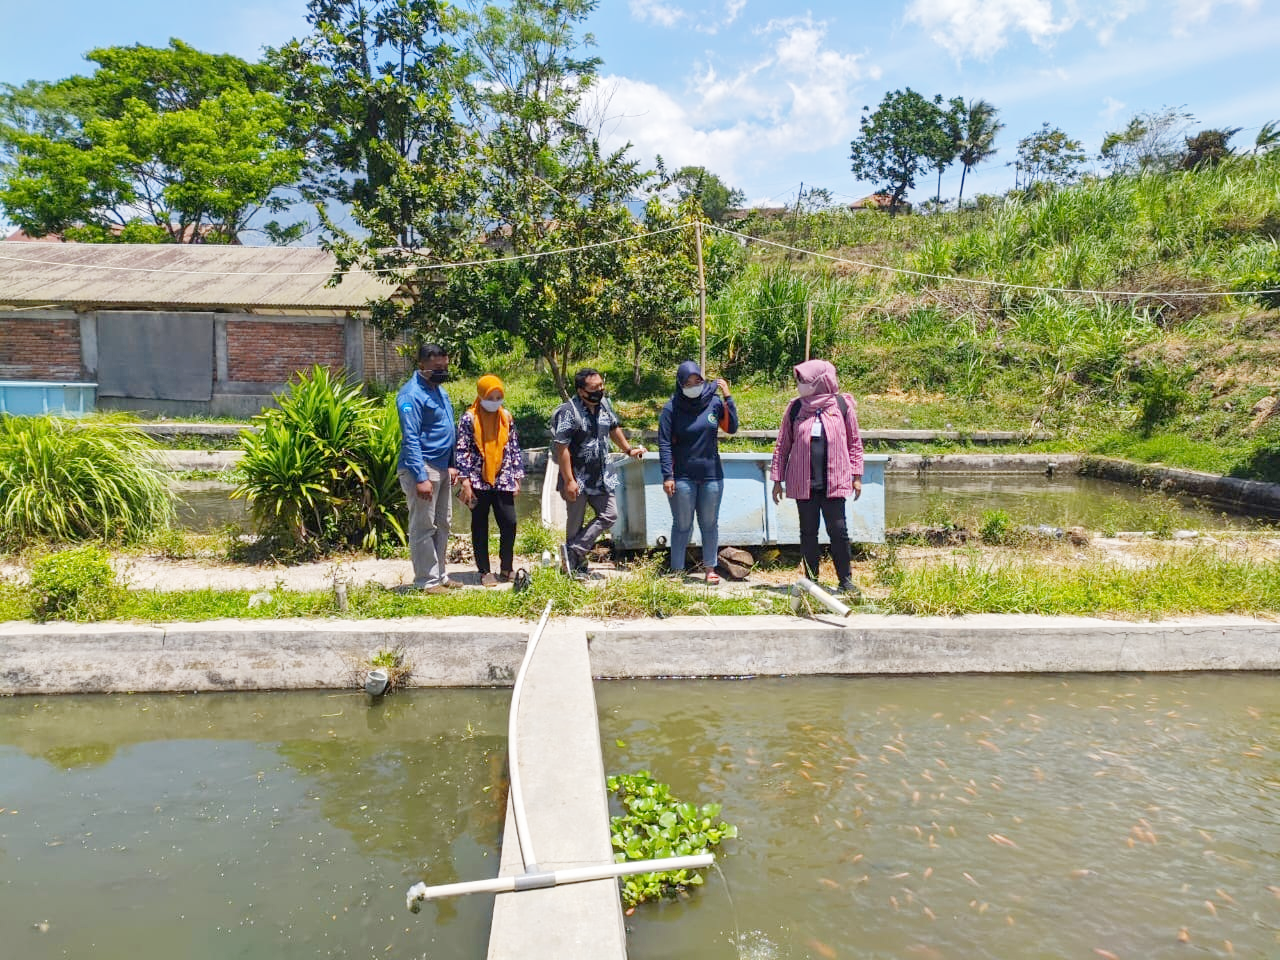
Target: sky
{"x": 768, "y": 94}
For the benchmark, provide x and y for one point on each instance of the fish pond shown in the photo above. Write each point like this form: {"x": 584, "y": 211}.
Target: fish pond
{"x": 1047, "y": 816}
{"x": 1060, "y": 501}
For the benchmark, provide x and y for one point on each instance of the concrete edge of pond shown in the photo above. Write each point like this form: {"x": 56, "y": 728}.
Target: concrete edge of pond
{"x": 1258, "y": 496}
{"x": 475, "y": 651}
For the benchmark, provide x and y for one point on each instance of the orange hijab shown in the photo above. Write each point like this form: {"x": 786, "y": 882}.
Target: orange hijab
{"x": 492, "y": 429}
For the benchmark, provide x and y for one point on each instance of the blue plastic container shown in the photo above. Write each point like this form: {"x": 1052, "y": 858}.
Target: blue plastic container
{"x": 748, "y": 515}
{"x": 36, "y": 398}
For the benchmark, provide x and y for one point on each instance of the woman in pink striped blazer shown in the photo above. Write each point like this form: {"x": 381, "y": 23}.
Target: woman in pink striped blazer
{"x": 817, "y": 462}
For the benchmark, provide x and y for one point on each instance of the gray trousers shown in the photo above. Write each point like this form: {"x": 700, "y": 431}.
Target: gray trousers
{"x": 580, "y": 539}
{"x": 428, "y": 526}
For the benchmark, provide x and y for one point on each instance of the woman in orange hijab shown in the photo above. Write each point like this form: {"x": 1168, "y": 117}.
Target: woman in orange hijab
{"x": 490, "y": 468}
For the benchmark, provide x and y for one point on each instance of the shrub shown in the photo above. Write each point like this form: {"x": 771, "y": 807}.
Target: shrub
{"x": 66, "y": 481}
{"x": 321, "y": 471}
{"x": 996, "y": 527}
{"x": 77, "y": 584}
{"x": 1160, "y": 392}
{"x": 534, "y": 536}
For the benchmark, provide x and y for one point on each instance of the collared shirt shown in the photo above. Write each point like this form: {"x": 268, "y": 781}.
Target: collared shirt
{"x": 791, "y": 453}
{"x": 586, "y": 434}
{"x": 427, "y": 433}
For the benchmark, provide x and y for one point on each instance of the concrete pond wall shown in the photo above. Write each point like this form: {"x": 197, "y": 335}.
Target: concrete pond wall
{"x": 475, "y": 651}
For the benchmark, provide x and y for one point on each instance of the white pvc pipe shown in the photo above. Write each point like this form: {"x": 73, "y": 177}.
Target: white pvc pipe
{"x": 532, "y": 878}
{"x": 803, "y": 584}
{"x": 553, "y": 878}
{"x": 516, "y": 795}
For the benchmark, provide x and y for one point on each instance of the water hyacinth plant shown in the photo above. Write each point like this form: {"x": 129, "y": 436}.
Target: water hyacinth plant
{"x": 320, "y": 473}
{"x": 69, "y": 481}
{"x": 656, "y": 824}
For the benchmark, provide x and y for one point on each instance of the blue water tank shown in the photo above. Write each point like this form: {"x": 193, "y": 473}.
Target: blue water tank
{"x": 748, "y": 515}
{"x": 37, "y": 398}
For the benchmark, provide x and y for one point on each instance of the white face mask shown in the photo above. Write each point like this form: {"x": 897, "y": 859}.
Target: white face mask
{"x": 493, "y": 406}
{"x": 693, "y": 393}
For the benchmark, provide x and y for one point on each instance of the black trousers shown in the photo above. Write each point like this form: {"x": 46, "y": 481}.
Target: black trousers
{"x": 831, "y": 510}
{"x": 503, "y": 505}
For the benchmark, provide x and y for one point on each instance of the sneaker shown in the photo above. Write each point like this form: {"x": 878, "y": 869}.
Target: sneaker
{"x": 435, "y": 588}
{"x": 713, "y": 579}
{"x": 506, "y": 576}
{"x": 488, "y": 580}
{"x": 451, "y": 584}
{"x": 849, "y": 588}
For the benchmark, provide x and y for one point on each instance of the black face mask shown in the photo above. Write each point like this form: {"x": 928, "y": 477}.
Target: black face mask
{"x": 437, "y": 376}
{"x": 595, "y": 396}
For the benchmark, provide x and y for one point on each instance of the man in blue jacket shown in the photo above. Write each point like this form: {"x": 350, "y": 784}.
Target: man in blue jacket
{"x": 427, "y": 468}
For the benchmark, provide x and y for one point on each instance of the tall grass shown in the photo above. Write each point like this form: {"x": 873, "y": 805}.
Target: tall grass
{"x": 67, "y": 481}
{"x": 1196, "y": 582}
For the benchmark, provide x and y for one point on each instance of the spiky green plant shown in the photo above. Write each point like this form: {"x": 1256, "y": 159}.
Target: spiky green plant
{"x": 67, "y": 481}
{"x": 320, "y": 472}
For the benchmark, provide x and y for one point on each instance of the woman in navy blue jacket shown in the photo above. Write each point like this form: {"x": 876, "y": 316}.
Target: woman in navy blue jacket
{"x": 689, "y": 450}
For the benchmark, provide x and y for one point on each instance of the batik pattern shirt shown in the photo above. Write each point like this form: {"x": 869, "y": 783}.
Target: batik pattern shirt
{"x": 471, "y": 461}
{"x": 586, "y": 434}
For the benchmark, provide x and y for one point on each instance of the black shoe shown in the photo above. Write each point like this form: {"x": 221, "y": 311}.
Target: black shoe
{"x": 849, "y": 588}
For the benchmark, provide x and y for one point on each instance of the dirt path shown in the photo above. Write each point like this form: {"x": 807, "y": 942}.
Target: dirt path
{"x": 214, "y": 573}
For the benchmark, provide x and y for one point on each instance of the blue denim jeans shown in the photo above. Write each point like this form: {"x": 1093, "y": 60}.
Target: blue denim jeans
{"x": 702, "y": 499}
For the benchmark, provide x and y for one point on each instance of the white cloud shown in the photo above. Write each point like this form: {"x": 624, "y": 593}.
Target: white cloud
{"x": 1189, "y": 12}
{"x": 704, "y": 21}
{"x": 979, "y": 28}
{"x": 1105, "y": 21}
{"x": 655, "y": 11}
{"x": 799, "y": 97}
{"x": 1111, "y": 110}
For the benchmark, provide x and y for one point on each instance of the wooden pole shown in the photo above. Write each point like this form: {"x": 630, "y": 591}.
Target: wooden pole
{"x": 702, "y": 302}
{"x": 808, "y": 326}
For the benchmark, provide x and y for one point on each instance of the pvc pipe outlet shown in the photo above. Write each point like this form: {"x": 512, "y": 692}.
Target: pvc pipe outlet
{"x": 375, "y": 684}
{"x": 803, "y": 585}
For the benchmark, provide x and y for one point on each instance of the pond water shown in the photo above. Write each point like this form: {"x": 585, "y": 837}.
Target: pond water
{"x": 968, "y": 817}
{"x": 905, "y": 817}
{"x": 1061, "y": 501}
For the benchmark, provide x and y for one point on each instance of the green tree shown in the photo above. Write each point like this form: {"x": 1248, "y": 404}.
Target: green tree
{"x": 655, "y": 298}
{"x": 978, "y": 130}
{"x": 901, "y": 138}
{"x": 1208, "y": 148}
{"x": 713, "y": 195}
{"x": 948, "y": 147}
{"x": 1152, "y": 141}
{"x": 1048, "y": 156}
{"x": 383, "y": 88}
{"x": 548, "y": 185}
{"x": 157, "y": 145}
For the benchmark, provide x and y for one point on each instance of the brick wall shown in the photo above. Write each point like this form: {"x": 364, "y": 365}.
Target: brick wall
{"x": 384, "y": 360}
{"x": 273, "y": 351}
{"x": 40, "y": 349}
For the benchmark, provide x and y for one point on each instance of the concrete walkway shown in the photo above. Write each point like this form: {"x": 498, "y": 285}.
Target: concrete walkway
{"x": 478, "y": 651}
{"x": 562, "y": 773}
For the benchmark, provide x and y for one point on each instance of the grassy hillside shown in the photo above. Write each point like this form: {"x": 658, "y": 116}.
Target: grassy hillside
{"x": 1169, "y": 357}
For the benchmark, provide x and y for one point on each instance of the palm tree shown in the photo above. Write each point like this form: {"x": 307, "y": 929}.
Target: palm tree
{"x": 1268, "y": 137}
{"x": 978, "y": 130}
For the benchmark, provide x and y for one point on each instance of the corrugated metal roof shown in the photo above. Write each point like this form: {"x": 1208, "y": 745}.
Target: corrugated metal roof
{"x": 190, "y": 275}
